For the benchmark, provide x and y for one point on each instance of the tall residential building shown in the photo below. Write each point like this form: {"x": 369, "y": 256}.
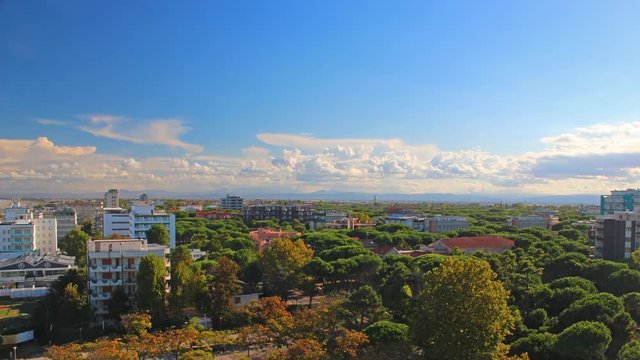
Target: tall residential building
{"x": 620, "y": 200}
{"x": 66, "y": 219}
{"x": 112, "y": 199}
{"x": 143, "y": 215}
{"x": 232, "y": 202}
{"x": 113, "y": 221}
{"x": 17, "y": 237}
{"x": 617, "y": 235}
{"x": 302, "y": 213}
{"x": 115, "y": 263}
{"x": 46, "y": 230}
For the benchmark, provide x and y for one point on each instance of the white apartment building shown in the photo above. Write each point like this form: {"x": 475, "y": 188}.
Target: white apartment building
{"x": 114, "y": 221}
{"x": 16, "y": 238}
{"x": 111, "y": 199}
{"x": 114, "y": 263}
{"x": 143, "y": 216}
{"x": 46, "y": 230}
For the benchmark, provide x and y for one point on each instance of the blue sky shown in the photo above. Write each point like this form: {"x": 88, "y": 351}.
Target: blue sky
{"x": 413, "y": 96}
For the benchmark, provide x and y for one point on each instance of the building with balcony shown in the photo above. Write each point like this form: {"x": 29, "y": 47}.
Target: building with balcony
{"x": 143, "y": 215}
{"x": 617, "y": 235}
{"x": 34, "y": 269}
{"x": 302, "y": 213}
{"x": 231, "y": 202}
{"x": 115, "y": 263}
{"x": 17, "y": 238}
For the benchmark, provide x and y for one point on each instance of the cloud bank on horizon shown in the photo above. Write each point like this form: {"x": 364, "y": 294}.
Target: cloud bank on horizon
{"x": 586, "y": 160}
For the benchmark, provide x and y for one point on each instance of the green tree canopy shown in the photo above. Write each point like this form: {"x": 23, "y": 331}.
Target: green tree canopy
{"x": 364, "y": 304}
{"x": 158, "y": 234}
{"x": 181, "y": 284}
{"x": 75, "y": 244}
{"x": 631, "y": 303}
{"x": 282, "y": 264}
{"x": 630, "y": 351}
{"x": 150, "y": 281}
{"x": 574, "y": 281}
{"x": 601, "y": 307}
{"x": 119, "y": 303}
{"x": 624, "y": 281}
{"x": 584, "y": 340}
{"x": 387, "y": 332}
{"x": 222, "y": 285}
{"x": 539, "y": 346}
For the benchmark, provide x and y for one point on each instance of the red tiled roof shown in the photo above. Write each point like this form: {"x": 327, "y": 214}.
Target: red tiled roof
{"x": 479, "y": 242}
{"x": 382, "y": 249}
{"x": 413, "y": 253}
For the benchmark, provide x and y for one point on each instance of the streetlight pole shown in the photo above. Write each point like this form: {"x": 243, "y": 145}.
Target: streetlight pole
{"x": 15, "y": 352}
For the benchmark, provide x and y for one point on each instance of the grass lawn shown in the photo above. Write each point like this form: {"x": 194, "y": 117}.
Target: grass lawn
{"x": 16, "y": 314}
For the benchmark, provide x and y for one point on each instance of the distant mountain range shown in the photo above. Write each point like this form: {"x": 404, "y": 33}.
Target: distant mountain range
{"x": 585, "y": 199}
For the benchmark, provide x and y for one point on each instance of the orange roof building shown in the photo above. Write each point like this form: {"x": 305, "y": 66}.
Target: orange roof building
{"x": 493, "y": 244}
{"x": 263, "y": 237}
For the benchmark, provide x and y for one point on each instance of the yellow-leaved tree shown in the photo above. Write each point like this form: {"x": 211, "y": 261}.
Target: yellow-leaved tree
{"x": 462, "y": 312}
{"x": 282, "y": 264}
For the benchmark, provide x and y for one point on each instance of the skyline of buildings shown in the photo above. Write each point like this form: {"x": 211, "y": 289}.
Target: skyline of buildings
{"x": 24, "y": 230}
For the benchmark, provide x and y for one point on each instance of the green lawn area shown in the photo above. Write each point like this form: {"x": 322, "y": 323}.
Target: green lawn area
{"x": 15, "y": 314}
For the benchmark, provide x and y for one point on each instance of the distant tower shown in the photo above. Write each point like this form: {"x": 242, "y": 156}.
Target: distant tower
{"x": 112, "y": 198}
{"x": 375, "y": 200}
